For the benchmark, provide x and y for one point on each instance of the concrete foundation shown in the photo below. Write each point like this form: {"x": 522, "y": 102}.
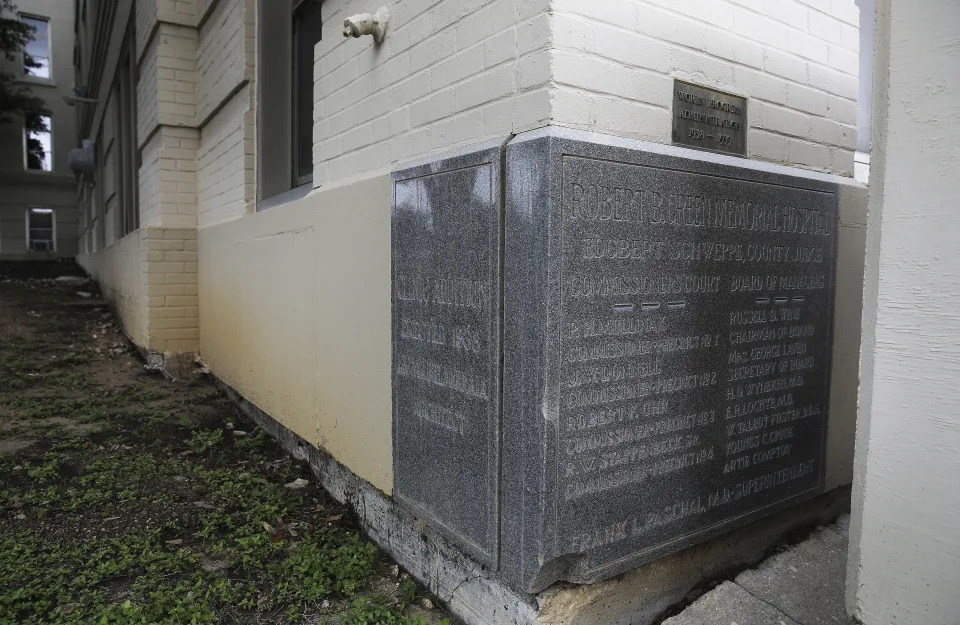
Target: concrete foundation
{"x": 475, "y": 595}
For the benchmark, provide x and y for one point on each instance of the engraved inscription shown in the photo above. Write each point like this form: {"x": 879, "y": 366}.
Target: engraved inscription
{"x": 692, "y": 345}
{"x": 445, "y": 294}
{"x": 707, "y": 119}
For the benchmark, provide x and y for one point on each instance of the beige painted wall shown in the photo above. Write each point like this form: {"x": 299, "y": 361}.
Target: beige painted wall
{"x": 119, "y": 269}
{"x": 295, "y": 315}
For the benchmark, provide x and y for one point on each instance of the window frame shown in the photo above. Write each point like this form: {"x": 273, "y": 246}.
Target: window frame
{"x": 48, "y": 80}
{"x": 125, "y": 141}
{"x": 53, "y": 228}
{"x": 278, "y": 131}
{"x": 26, "y": 158}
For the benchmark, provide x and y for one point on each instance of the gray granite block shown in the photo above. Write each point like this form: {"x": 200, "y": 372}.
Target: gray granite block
{"x": 808, "y": 580}
{"x": 446, "y": 237}
{"x": 667, "y": 331}
{"x": 728, "y": 604}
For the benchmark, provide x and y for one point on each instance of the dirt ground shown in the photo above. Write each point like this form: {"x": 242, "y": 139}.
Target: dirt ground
{"x": 127, "y": 498}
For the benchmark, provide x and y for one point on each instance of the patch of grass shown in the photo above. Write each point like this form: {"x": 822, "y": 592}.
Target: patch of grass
{"x": 364, "y": 611}
{"x": 202, "y": 440}
{"x": 135, "y": 504}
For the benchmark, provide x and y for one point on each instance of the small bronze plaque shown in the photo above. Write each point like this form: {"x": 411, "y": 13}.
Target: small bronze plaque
{"x": 707, "y": 119}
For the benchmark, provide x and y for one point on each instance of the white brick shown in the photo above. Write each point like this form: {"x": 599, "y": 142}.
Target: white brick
{"x": 789, "y": 12}
{"x": 846, "y": 11}
{"x": 534, "y": 69}
{"x": 491, "y": 85}
{"x": 597, "y": 65}
{"x": 760, "y": 85}
{"x": 493, "y": 18}
{"x": 810, "y": 154}
{"x": 455, "y": 130}
{"x": 780, "y": 119}
{"x": 410, "y": 144}
{"x": 784, "y": 65}
{"x": 844, "y": 60}
{"x": 842, "y": 110}
{"x": 850, "y": 38}
{"x": 534, "y": 34}
{"x": 807, "y": 46}
{"x": 825, "y": 27}
{"x": 833, "y": 81}
{"x": 499, "y": 48}
{"x": 433, "y": 49}
{"x": 609, "y": 11}
{"x": 496, "y": 118}
{"x": 632, "y": 49}
{"x": 825, "y": 131}
{"x": 433, "y": 107}
{"x": 806, "y": 99}
{"x": 640, "y": 122}
{"x": 767, "y": 146}
{"x": 457, "y": 67}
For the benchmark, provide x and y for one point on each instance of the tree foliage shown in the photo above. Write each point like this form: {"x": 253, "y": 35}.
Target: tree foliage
{"x": 16, "y": 99}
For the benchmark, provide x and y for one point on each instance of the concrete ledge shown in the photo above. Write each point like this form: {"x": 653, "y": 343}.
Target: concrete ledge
{"x": 475, "y": 594}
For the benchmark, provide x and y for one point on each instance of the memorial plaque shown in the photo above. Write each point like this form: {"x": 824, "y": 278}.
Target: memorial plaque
{"x": 708, "y": 119}
{"x": 667, "y": 342}
{"x": 446, "y": 233}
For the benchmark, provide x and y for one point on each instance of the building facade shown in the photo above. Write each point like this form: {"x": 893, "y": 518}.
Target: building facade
{"x": 38, "y": 214}
{"x": 241, "y": 202}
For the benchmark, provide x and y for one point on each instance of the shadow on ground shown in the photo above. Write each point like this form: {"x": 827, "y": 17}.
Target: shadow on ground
{"x": 126, "y": 498}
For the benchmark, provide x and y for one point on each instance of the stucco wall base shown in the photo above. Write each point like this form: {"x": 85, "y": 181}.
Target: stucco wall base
{"x": 118, "y": 269}
{"x": 477, "y": 596}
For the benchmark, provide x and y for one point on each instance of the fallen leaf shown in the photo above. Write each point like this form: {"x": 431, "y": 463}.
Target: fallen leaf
{"x": 204, "y": 504}
{"x": 331, "y": 519}
{"x": 297, "y": 484}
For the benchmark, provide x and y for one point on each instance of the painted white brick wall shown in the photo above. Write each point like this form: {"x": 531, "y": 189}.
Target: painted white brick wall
{"x": 449, "y": 72}
{"x": 225, "y": 161}
{"x": 226, "y": 112}
{"x": 614, "y": 64}
{"x": 148, "y": 102}
{"x": 225, "y": 57}
{"x": 168, "y": 179}
{"x": 145, "y": 15}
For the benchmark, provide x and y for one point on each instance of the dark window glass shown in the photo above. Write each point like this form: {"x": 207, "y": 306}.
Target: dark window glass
{"x": 41, "y": 230}
{"x": 38, "y": 142}
{"x": 306, "y": 33}
{"x": 36, "y": 54}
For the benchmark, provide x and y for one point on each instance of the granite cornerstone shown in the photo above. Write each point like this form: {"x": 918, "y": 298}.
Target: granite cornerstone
{"x": 665, "y": 327}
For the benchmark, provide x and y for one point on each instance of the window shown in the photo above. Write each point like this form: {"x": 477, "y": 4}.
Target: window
{"x": 41, "y": 230}
{"x": 38, "y": 142}
{"x": 128, "y": 161}
{"x": 36, "y": 55}
{"x": 285, "y": 111}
